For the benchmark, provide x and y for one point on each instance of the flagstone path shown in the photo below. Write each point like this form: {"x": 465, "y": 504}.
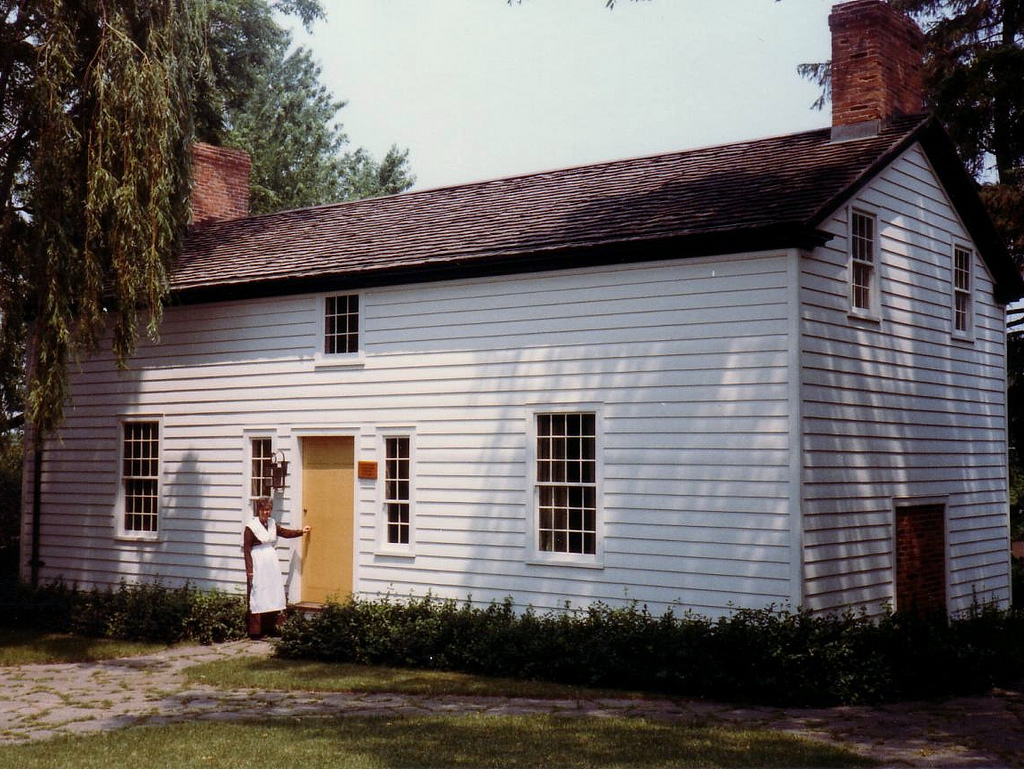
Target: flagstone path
{"x": 38, "y": 702}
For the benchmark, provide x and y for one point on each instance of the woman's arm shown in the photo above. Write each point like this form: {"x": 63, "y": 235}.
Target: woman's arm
{"x": 248, "y": 540}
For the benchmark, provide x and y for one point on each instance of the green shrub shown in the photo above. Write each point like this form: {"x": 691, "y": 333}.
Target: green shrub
{"x": 760, "y": 656}
{"x": 138, "y": 612}
{"x": 215, "y": 617}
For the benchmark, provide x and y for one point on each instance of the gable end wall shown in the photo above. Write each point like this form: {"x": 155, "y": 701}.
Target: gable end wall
{"x": 898, "y": 410}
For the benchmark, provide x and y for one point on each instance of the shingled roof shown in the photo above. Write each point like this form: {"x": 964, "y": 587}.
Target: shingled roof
{"x": 754, "y": 195}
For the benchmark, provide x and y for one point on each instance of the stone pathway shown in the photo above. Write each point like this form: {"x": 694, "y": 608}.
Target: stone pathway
{"x": 42, "y": 701}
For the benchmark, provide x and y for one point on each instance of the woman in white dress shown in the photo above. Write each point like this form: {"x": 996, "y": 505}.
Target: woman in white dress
{"x": 262, "y": 570}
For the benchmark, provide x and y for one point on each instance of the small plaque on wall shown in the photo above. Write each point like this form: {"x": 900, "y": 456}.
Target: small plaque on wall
{"x": 367, "y": 471}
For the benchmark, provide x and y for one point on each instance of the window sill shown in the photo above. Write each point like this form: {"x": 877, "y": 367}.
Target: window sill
{"x": 564, "y": 559}
{"x": 137, "y": 539}
{"x": 405, "y": 555}
{"x": 862, "y": 316}
{"x": 339, "y": 361}
{"x": 963, "y": 339}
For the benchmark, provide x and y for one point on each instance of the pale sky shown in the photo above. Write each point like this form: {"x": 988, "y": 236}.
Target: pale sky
{"x": 479, "y": 89}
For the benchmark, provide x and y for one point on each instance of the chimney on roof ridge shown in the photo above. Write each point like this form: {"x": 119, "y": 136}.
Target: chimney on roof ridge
{"x": 877, "y": 67}
{"x": 220, "y": 183}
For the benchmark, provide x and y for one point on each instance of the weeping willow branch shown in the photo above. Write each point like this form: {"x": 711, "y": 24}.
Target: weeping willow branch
{"x": 114, "y": 92}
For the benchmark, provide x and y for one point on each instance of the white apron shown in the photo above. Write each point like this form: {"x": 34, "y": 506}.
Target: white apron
{"x": 267, "y": 586}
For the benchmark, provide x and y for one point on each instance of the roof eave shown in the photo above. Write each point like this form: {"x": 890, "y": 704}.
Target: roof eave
{"x": 906, "y": 140}
{"x": 752, "y": 239}
{"x": 963, "y": 193}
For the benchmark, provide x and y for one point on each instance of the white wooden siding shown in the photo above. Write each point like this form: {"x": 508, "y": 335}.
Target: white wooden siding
{"x": 900, "y": 410}
{"x": 689, "y": 360}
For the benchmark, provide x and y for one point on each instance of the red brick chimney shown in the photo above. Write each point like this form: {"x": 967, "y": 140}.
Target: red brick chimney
{"x": 220, "y": 183}
{"x": 877, "y": 67}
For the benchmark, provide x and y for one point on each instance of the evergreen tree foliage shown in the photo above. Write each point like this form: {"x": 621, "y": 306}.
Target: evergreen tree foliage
{"x": 245, "y": 42}
{"x": 365, "y": 177}
{"x": 287, "y": 124}
{"x": 974, "y": 73}
{"x": 271, "y": 103}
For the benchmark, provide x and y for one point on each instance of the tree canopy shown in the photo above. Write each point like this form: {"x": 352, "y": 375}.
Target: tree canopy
{"x": 99, "y": 101}
{"x": 287, "y": 124}
{"x": 974, "y": 73}
{"x": 269, "y": 101}
{"x": 96, "y": 100}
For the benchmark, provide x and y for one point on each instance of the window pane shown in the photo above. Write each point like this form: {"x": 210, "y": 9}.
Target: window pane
{"x": 962, "y": 269}
{"x": 260, "y": 476}
{"x": 962, "y": 259}
{"x": 140, "y": 470}
{"x": 566, "y": 476}
{"x": 341, "y": 324}
{"x": 560, "y": 516}
{"x": 397, "y": 489}
{"x": 861, "y": 286}
{"x": 862, "y": 260}
{"x": 962, "y": 314}
{"x": 863, "y": 238}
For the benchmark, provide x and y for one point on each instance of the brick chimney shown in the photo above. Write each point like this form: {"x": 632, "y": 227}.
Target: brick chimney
{"x": 220, "y": 183}
{"x": 877, "y": 67}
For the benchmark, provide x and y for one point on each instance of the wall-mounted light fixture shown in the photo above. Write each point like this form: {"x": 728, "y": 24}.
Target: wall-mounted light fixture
{"x": 278, "y": 471}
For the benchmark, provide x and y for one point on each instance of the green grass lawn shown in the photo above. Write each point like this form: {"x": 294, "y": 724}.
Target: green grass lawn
{"x": 301, "y": 675}
{"x": 31, "y": 647}
{"x": 439, "y": 741}
{"x": 455, "y": 741}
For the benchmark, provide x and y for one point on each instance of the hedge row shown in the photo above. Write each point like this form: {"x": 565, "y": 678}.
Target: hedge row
{"x": 143, "y": 612}
{"x": 758, "y": 656}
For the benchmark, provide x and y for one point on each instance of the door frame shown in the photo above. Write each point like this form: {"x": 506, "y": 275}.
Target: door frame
{"x": 298, "y": 434}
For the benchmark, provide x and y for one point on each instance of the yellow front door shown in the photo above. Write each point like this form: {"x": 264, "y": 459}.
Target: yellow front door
{"x": 328, "y": 479}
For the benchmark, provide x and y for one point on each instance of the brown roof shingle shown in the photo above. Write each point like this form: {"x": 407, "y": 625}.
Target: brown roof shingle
{"x": 765, "y": 193}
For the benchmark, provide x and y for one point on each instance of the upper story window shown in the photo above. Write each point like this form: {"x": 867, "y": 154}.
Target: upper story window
{"x": 963, "y": 262}
{"x": 863, "y": 264}
{"x": 566, "y": 483}
{"x": 140, "y": 478}
{"x": 341, "y": 324}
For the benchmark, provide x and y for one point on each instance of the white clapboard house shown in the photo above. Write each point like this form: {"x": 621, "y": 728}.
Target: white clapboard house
{"x": 771, "y": 372}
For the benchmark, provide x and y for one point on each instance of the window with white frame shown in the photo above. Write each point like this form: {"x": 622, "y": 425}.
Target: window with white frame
{"x": 397, "y": 489}
{"x": 863, "y": 263}
{"x": 140, "y": 477}
{"x": 963, "y": 261}
{"x": 566, "y": 483}
{"x": 341, "y": 324}
{"x": 261, "y": 455}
